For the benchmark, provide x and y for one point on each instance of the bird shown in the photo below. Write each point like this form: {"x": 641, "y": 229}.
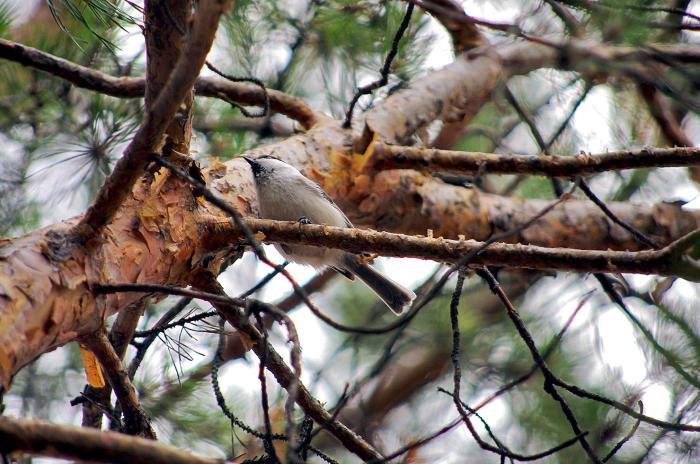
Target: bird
{"x": 285, "y": 194}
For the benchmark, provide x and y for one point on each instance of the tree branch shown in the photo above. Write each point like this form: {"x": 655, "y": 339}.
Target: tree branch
{"x": 661, "y": 262}
{"x": 465, "y": 36}
{"x": 135, "y": 419}
{"x": 120, "y": 336}
{"x": 664, "y": 117}
{"x": 249, "y": 94}
{"x": 232, "y": 310}
{"x": 450, "y": 93}
{"x": 134, "y": 87}
{"x": 86, "y": 444}
{"x": 148, "y": 138}
{"x": 397, "y": 157}
{"x": 58, "y": 275}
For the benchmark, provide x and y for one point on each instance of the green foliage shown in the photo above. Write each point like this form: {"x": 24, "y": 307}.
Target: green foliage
{"x": 6, "y": 15}
{"x": 187, "y": 410}
{"x": 536, "y": 187}
{"x": 96, "y": 17}
{"x": 484, "y": 126}
{"x": 339, "y": 40}
{"x": 18, "y": 216}
{"x": 631, "y": 22}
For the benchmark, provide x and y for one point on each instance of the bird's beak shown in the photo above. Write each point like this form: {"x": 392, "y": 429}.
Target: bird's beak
{"x": 254, "y": 165}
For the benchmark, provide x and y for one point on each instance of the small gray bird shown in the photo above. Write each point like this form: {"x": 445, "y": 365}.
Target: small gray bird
{"x": 285, "y": 194}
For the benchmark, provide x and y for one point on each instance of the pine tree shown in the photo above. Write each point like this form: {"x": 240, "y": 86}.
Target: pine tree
{"x": 540, "y": 175}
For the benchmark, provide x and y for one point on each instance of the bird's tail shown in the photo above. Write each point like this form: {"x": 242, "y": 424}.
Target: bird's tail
{"x": 395, "y": 296}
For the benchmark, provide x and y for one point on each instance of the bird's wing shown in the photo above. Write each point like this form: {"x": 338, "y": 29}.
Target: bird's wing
{"x": 321, "y": 192}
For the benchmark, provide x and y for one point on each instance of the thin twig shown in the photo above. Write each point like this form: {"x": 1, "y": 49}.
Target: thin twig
{"x": 551, "y": 346}
{"x": 267, "y": 439}
{"x": 266, "y": 97}
{"x": 162, "y": 327}
{"x": 509, "y": 454}
{"x": 221, "y": 402}
{"x": 550, "y": 379}
{"x": 530, "y": 122}
{"x": 465, "y": 411}
{"x": 672, "y": 359}
{"x": 382, "y": 81}
{"x": 636, "y": 233}
{"x": 295, "y": 361}
{"x": 627, "y": 437}
{"x": 284, "y": 374}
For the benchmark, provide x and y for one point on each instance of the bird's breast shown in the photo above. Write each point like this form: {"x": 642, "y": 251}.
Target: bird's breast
{"x": 281, "y": 205}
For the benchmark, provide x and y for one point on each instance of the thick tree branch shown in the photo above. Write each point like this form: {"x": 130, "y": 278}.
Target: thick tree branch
{"x": 465, "y": 36}
{"x": 458, "y": 89}
{"x": 450, "y": 93}
{"x": 667, "y": 261}
{"x": 473, "y": 163}
{"x": 85, "y": 444}
{"x": 42, "y": 264}
{"x": 134, "y": 87}
{"x": 165, "y": 36}
{"x": 148, "y": 138}
{"x": 451, "y": 211}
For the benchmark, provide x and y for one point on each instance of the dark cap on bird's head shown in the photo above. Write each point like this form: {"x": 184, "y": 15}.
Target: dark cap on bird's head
{"x": 254, "y": 165}
{"x": 263, "y": 166}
